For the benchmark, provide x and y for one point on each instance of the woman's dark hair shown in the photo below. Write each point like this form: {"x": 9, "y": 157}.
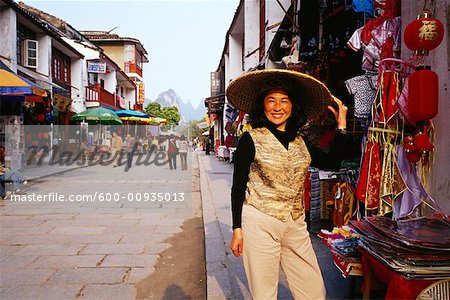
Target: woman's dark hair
{"x": 294, "y": 123}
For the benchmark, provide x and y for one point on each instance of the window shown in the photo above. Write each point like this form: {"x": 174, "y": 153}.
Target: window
{"x": 26, "y": 42}
{"x": 31, "y": 53}
{"x": 60, "y": 66}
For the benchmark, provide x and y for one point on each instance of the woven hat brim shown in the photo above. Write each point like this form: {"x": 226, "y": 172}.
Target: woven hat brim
{"x": 243, "y": 92}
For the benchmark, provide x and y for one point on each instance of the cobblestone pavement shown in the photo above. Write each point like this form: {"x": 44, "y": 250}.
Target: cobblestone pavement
{"x": 92, "y": 249}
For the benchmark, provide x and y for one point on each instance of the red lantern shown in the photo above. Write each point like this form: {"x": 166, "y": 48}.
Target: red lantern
{"x": 423, "y": 94}
{"x": 422, "y": 142}
{"x": 413, "y": 156}
{"x": 424, "y": 34}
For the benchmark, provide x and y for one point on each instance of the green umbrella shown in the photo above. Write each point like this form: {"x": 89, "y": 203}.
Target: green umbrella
{"x": 98, "y": 115}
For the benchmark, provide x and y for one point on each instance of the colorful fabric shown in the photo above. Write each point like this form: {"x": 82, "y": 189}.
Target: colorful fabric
{"x": 363, "y": 88}
{"x": 368, "y": 189}
{"x": 388, "y": 94}
{"x": 392, "y": 183}
{"x": 342, "y": 198}
{"x": 276, "y": 178}
{"x": 363, "y": 6}
{"x": 414, "y": 193}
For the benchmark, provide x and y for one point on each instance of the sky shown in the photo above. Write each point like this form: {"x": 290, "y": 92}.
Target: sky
{"x": 184, "y": 38}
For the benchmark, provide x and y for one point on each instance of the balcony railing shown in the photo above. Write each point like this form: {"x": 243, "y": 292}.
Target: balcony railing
{"x": 133, "y": 68}
{"x": 95, "y": 93}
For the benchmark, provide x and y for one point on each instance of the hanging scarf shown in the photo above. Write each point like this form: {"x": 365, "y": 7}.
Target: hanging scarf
{"x": 392, "y": 184}
{"x": 414, "y": 193}
{"x": 388, "y": 94}
{"x": 368, "y": 190}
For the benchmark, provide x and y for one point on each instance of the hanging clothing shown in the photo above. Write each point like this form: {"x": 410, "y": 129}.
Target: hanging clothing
{"x": 363, "y": 88}
{"x": 387, "y": 97}
{"x": 342, "y": 199}
{"x": 379, "y": 39}
{"x": 414, "y": 193}
{"x": 392, "y": 184}
{"x": 368, "y": 189}
{"x": 403, "y": 102}
{"x": 371, "y": 52}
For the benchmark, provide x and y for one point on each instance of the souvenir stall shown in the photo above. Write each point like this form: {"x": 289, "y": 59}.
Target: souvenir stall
{"x": 22, "y": 102}
{"x": 397, "y": 236}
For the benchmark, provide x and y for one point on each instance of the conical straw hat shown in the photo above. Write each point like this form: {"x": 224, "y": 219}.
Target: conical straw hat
{"x": 243, "y": 92}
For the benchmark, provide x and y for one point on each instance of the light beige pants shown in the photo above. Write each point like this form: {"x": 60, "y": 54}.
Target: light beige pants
{"x": 267, "y": 242}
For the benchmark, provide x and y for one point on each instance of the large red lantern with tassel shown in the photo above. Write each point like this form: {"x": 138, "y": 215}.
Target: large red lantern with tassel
{"x": 423, "y": 94}
{"x": 424, "y": 34}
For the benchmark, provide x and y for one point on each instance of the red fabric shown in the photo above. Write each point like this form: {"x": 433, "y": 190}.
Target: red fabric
{"x": 398, "y": 287}
{"x": 366, "y": 34}
{"x": 390, "y": 88}
{"x": 368, "y": 190}
{"x": 387, "y": 49}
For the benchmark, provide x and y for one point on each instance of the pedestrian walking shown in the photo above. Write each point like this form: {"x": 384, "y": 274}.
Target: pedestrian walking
{"x": 207, "y": 147}
{"x": 172, "y": 152}
{"x": 130, "y": 148}
{"x": 116, "y": 148}
{"x": 271, "y": 163}
{"x": 183, "y": 149}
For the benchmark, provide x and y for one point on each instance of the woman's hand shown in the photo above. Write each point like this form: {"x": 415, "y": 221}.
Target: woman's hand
{"x": 340, "y": 114}
{"x": 237, "y": 242}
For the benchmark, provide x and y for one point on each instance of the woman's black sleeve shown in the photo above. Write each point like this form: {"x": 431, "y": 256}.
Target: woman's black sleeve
{"x": 243, "y": 158}
{"x": 332, "y": 160}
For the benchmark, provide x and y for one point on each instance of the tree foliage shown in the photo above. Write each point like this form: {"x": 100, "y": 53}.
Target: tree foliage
{"x": 170, "y": 113}
{"x": 153, "y": 109}
{"x": 193, "y": 129}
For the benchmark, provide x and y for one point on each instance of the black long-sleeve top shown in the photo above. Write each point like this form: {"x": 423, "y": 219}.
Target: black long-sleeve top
{"x": 245, "y": 155}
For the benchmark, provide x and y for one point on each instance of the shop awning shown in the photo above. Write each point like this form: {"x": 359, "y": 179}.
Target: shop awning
{"x": 12, "y": 84}
{"x": 130, "y": 113}
{"x": 215, "y": 104}
{"x": 98, "y": 115}
{"x": 149, "y": 121}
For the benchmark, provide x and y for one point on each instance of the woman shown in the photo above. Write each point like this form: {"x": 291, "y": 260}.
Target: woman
{"x": 172, "y": 152}
{"x": 271, "y": 163}
{"x": 183, "y": 149}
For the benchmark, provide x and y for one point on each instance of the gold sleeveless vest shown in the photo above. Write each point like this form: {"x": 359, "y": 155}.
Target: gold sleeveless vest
{"x": 276, "y": 180}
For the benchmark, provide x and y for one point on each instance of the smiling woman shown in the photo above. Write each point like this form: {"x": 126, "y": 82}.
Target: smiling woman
{"x": 271, "y": 165}
{"x": 277, "y": 107}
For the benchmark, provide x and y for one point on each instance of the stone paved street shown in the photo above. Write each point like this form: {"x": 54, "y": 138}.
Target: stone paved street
{"x": 92, "y": 250}
{"x": 109, "y": 250}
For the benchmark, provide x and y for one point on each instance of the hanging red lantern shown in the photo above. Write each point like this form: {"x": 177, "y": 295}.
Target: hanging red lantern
{"x": 413, "y": 156}
{"x": 422, "y": 142}
{"x": 424, "y": 34}
{"x": 423, "y": 87}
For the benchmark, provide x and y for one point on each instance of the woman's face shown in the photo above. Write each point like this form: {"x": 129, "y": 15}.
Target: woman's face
{"x": 278, "y": 108}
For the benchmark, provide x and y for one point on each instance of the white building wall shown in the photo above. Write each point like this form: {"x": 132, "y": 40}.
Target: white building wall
{"x": 129, "y": 95}
{"x": 439, "y": 181}
{"x": 235, "y": 53}
{"x": 77, "y": 77}
{"x": 44, "y": 54}
{"x": 8, "y": 33}
{"x": 274, "y": 14}
{"x": 251, "y": 29}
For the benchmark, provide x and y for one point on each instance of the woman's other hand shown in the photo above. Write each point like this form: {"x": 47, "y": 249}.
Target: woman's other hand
{"x": 237, "y": 242}
{"x": 339, "y": 111}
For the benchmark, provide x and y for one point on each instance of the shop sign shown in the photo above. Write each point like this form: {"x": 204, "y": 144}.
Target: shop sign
{"x": 141, "y": 93}
{"x": 96, "y": 67}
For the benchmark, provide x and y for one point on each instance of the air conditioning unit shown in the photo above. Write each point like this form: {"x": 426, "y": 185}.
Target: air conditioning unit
{"x": 31, "y": 53}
